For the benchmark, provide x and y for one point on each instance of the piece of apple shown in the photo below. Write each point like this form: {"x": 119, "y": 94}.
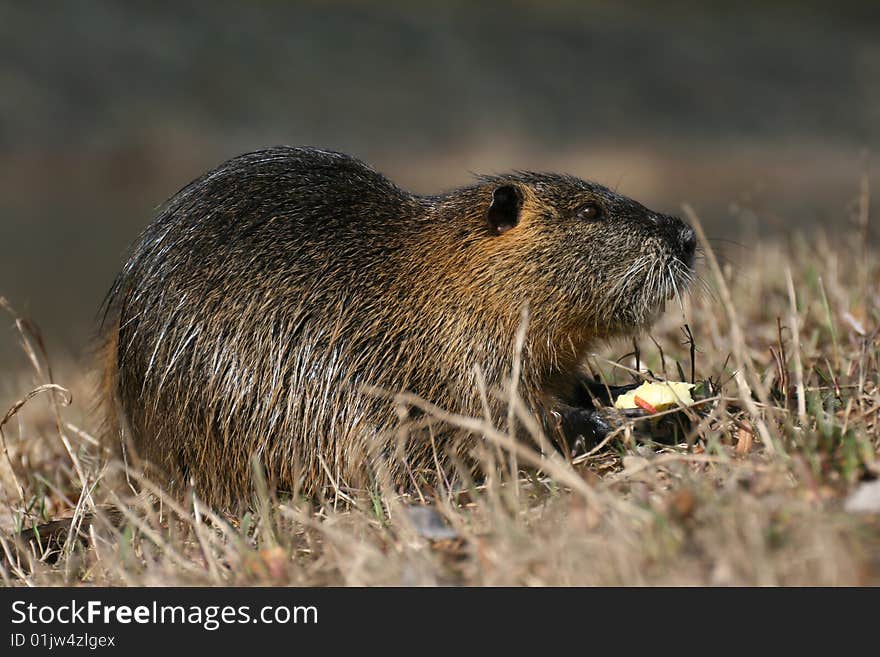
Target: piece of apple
{"x": 660, "y": 396}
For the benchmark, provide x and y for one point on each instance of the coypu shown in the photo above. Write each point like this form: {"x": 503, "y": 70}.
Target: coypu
{"x": 257, "y": 313}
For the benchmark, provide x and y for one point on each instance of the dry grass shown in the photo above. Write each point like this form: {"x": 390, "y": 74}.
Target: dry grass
{"x": 754, "y": 494}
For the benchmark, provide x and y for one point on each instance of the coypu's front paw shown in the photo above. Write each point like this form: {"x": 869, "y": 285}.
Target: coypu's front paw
{"x": 580, "y": 428}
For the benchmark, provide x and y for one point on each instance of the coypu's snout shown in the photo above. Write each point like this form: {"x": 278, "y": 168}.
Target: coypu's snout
{"x": 670, "y": 271}
{"x": 682, "y": 238}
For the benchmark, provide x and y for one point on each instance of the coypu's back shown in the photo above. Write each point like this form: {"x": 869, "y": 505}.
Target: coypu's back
{"x": 226, "y": 325}
{"x": 268, "y": 294}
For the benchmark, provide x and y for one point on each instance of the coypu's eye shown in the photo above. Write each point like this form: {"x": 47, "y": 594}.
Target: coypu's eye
{"x": 589, "y": 211}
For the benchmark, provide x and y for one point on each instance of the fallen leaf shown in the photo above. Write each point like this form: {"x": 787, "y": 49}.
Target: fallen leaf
{"x": 682, "y": 503}
{"x": 744, "y": 440}
{"x": 865, "y": 499}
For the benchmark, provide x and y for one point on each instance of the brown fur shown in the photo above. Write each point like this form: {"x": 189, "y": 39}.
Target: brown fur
{"x": 270, "y": 297}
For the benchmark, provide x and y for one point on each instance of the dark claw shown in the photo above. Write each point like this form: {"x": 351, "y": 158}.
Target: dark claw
{"x": 580, "y": 428}
{"x": 589, "y": 392}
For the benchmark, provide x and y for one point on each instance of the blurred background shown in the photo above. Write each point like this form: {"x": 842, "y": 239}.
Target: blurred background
{"x": 763, "y": 117}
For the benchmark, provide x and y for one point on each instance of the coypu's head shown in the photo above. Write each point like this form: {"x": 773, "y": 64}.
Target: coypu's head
{"x": 582, "y": 254}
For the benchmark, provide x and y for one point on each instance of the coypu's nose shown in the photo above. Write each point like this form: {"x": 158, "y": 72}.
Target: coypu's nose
{"x": 681, "y": 235}
{"x": 688, "y": 241}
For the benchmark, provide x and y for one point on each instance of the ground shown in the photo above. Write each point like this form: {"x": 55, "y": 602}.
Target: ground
{"x": 775, "y": 482}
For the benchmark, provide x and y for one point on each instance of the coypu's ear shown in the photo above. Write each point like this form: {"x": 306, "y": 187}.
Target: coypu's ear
{"x": 503, "y": 214}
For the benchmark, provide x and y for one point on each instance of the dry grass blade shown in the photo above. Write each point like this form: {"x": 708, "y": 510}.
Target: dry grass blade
{"x": 796, "y": 338}
{"x": 17, "y": 406}
{"x": 30, "y": 335}
{"x": 743, "y": 361}
{"x": 550, "y": 463}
